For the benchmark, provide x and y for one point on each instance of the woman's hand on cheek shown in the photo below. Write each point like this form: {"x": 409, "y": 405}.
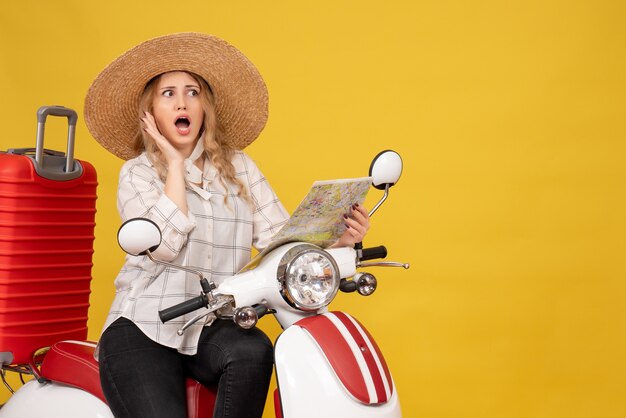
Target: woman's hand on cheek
{"x": 357, "y": 225}
{"x": 171, "y": 154}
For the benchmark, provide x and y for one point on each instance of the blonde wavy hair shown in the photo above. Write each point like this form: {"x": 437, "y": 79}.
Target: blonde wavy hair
{"x": 218, "y": 150}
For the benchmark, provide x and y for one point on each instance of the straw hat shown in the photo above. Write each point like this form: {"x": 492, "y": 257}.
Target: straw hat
{"x": 111, "y": 105}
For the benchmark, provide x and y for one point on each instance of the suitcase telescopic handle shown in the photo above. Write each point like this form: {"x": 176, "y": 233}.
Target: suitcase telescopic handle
{"x": 72, "y": 118}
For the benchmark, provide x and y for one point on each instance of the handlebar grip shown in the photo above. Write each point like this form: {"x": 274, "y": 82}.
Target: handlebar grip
{"x": 374, "y": 252}
{"x": 347, "y": 286}
{"x": 183, "y": 308}
{"x": 261, "y": 309}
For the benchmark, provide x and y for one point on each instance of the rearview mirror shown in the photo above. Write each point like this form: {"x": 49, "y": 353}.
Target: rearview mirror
{"x": 386, "y": 169}
{"x": 137, "y": 236}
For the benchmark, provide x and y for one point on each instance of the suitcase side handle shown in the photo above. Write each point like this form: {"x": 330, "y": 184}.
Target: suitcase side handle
{"x": 72, "y": 118}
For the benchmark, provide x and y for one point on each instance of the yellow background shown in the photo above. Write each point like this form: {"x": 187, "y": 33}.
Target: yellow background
{"x": 510, "y": 118}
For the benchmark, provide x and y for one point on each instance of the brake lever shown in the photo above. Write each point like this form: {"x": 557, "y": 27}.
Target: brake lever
{"x": 213, "y": 307}
{"x": 383, "y": 264}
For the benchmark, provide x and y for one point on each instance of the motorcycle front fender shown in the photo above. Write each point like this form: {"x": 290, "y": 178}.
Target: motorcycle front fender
{"x": 322, "y": 372}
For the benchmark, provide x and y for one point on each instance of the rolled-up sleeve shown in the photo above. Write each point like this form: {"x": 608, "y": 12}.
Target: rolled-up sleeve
{"x": 269, "y": 213}
{"x": 140, "y": 194}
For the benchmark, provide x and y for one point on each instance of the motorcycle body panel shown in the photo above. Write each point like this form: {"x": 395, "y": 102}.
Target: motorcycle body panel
{"x": 53, "y": 400}
{"x": 312, "y": 383}
{"x": 261, "y": 285}
{"x": 251, "y": 286}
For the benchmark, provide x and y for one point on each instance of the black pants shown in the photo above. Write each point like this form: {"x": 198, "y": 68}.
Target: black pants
{"x": 143, "y": 379}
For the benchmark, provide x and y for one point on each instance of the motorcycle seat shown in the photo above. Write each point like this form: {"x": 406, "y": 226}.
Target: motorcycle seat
{"x": 72, "y": 363}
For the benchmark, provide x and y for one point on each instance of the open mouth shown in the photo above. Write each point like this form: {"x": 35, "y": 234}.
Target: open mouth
{"x": 182, "y": 125}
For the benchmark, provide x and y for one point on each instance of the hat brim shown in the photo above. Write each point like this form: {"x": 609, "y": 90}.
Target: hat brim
{"x": 241, "y": 97}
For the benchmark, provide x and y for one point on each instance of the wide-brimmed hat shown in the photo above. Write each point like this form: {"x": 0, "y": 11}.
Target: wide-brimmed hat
{"x": 111, "y": 105}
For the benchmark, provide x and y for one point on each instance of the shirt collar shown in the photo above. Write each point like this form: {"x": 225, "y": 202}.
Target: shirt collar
{"x": 193, "y": 175}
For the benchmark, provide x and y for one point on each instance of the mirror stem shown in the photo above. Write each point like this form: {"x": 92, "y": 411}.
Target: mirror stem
{"x": 380, "y": 202}
{"x": 197, "y": 273}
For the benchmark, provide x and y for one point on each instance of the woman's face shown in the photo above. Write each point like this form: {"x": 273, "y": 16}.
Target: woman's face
{"x": 177, "y": 109}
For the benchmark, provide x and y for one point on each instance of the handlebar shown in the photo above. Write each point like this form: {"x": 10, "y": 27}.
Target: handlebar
{"x": 183, "y": 308}
{"x": 201, "y": 301}
{"x": 374, "y": 253}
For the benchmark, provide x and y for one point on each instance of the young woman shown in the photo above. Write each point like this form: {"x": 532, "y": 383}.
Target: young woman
{"x": 180, "y": 108}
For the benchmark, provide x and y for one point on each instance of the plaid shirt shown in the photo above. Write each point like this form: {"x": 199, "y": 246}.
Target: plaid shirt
{"x": 214, "y": 237}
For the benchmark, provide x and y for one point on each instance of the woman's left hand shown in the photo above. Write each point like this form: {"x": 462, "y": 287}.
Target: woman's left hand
{"x": 357, "y": 225}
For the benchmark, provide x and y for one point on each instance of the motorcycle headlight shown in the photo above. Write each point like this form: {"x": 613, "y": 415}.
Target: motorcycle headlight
{"x": 308, "y": 277}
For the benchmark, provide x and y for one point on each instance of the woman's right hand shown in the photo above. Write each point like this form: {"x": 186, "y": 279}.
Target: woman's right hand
{"x": 175, "y": 181}
{"x": 170, "y": 153}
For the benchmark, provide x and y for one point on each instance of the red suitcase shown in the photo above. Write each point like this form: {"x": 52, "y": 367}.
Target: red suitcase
{"x": 47, "y": 220}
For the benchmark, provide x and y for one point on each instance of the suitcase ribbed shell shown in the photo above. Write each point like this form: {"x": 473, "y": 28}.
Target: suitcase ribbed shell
{"x": 46, "y": 248}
